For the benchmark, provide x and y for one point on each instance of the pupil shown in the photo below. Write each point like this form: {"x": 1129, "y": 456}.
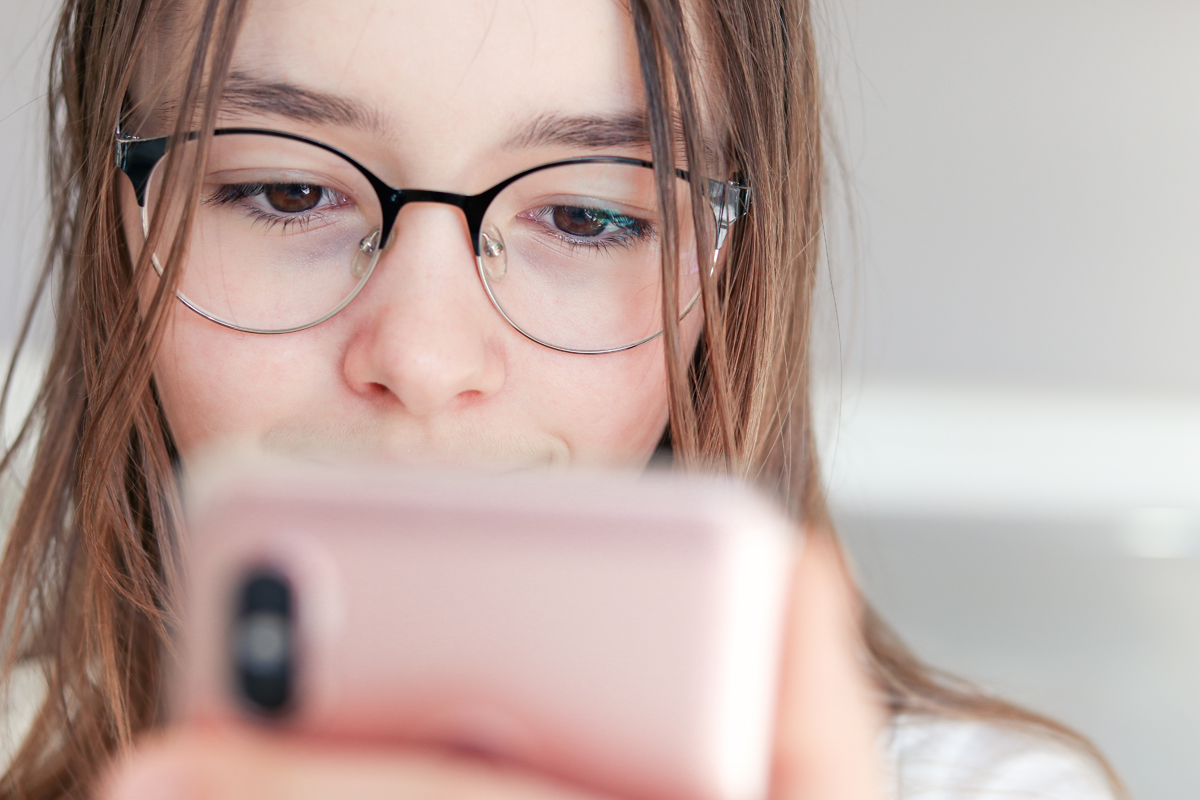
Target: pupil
{"x": 293, "y": 198}
{"x": 578, "y": 221}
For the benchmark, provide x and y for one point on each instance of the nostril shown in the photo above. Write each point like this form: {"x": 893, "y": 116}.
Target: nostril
{"x": 376, "y": 389}
{"x": 468, "y": 397}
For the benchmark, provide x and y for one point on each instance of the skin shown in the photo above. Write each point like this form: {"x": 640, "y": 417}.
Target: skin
{"x": 420, "y": 368}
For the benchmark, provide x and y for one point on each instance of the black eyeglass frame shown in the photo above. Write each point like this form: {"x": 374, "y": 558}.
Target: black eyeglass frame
{"x": 137, "y": 158}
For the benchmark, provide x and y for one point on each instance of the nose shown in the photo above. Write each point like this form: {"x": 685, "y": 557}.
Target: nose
{"x": 426, "y": 334}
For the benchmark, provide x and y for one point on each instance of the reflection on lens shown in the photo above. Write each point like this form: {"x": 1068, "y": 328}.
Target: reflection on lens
{"x": 284, "y": 234}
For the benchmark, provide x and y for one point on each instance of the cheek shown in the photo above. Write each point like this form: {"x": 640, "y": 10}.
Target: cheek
{"x": 613, "y": 408}
{"x": 221, "y": 386}
{"x": 201, "y": 395}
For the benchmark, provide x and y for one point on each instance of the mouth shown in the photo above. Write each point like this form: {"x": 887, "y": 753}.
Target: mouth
{"x": 475, "y": 453}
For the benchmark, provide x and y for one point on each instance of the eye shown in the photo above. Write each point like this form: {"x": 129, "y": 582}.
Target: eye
{"x": 579, "y": 221}
{"x": 292, "y": 198}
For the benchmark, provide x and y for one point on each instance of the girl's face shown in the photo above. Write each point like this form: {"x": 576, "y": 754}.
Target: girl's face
{"x": 454, "y": 95}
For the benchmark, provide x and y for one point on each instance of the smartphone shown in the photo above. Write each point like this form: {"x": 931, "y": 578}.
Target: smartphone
{"x": 620, "y": 632}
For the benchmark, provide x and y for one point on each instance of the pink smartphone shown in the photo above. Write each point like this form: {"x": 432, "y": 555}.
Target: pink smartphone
{"x": 619, "y": 632}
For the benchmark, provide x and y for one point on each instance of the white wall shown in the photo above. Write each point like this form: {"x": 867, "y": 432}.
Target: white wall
{"x": 24, "y": 36}
{"x": 1027, "y": 180}
{"x": 1029, "y": 176}
{"x": 1013, "y": 436}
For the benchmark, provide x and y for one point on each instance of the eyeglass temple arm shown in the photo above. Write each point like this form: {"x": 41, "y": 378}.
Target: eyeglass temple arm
{"x": 730, "y": 202}
{"x": 137, "y": 159}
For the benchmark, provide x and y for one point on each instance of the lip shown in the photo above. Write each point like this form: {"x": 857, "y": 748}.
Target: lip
{"x": 498, "y": 460}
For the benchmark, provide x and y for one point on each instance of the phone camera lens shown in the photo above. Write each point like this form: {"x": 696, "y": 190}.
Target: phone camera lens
{"x": 263, "y": 645}
{"x": 263, "y": 642}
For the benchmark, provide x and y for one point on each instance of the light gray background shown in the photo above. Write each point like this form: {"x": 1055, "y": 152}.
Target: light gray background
{"x": 1011, "y": 397}
{"x": 25, "y": 28}
{"x": 1013, "y": 436}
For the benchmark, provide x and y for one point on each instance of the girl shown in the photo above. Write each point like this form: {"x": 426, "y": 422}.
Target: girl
{"x": 604, "y": 238}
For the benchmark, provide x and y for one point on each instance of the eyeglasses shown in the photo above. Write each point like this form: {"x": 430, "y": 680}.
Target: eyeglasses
{"x": 288, "y": 230}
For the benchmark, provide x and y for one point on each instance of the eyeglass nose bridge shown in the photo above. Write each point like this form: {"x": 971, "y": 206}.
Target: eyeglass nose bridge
{"x": 473, "y": 208}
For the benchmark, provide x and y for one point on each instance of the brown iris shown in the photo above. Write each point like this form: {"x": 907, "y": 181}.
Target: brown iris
{"x": 578, "y": 221}
{"x": 293, "y": 198}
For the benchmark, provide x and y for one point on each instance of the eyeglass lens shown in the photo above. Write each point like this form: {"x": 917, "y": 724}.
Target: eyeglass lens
{"x": 285, "y": 233}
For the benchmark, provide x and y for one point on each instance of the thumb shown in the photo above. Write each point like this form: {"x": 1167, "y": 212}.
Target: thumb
{"x": 829, "y": 717}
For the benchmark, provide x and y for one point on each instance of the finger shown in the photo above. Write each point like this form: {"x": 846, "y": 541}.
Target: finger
{"x": 228, "y": 764}
{"x": 829, "y": 713}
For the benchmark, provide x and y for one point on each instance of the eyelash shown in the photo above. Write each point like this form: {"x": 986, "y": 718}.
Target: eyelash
{"x": 630, "y": 230}
{"x": 234, "y": 193}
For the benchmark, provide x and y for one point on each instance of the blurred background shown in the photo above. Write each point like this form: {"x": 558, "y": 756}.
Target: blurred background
{"x": 1011, "y": 379}
{"x": 1009, "y": 393}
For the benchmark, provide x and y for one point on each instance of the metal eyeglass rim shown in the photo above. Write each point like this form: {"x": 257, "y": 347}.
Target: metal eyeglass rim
{"x": 137, "y": 158}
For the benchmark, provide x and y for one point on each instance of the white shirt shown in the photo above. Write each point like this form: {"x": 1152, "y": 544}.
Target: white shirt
{"x": 937, "y": 758}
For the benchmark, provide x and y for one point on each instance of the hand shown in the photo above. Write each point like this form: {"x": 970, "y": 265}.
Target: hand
{"x": 829, "y": 717}
{"x": 825, "y": 743}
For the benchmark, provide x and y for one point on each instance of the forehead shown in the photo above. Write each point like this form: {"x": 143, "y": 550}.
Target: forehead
{"x": 452, "y": 77}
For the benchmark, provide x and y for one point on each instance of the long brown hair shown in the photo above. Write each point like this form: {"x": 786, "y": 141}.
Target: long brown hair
{"x": 82, "y": 586}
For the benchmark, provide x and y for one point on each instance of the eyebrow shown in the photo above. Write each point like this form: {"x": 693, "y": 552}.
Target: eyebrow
{"x": 244, "y": 92}
{"x": 595, "y": 132}
{"x": 630, "y": 129}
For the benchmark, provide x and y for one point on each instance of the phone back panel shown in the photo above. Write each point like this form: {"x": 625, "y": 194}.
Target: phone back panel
{"x": 619, "y": 632}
